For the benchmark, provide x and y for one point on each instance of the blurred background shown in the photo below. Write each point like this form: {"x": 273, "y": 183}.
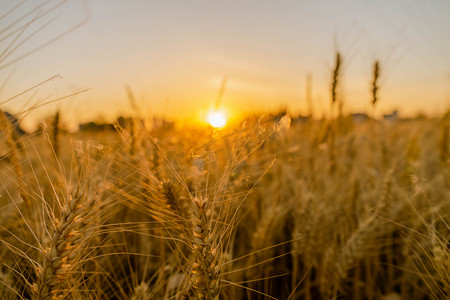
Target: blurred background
{"x": 171, "y": 56}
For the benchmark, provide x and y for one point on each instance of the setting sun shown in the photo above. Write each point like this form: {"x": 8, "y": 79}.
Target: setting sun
{"x": 217, "y": 119}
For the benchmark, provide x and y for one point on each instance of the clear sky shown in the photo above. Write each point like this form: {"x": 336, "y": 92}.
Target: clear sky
{"x": 174, "y": 54}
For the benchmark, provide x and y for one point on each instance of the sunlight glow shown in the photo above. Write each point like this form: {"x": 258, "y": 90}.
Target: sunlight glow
{"x": 217, "y": 119}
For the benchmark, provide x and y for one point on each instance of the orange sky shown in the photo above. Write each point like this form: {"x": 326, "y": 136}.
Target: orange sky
{"x": 174, "y": 54}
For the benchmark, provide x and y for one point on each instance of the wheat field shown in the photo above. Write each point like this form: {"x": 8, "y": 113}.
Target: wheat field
{"x": 272, "y": 208}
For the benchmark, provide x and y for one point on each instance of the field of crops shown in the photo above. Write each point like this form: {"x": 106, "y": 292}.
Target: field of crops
{"x": 272, "y": 208}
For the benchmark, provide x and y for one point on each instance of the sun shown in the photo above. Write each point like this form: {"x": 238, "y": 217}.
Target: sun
{"x": 217, "y": 119}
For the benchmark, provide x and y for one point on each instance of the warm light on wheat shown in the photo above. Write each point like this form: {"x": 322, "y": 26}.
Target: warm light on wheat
{"x": 217, "y": 119}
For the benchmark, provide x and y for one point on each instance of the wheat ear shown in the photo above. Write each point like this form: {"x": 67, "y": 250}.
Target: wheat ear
{"x": 68, "y": 237}
{"x": 8, "y": 131}
{"x": 205, "y": 270}
{"x": 56, "y": 133}
{"x": 141, "y": 292}
{"x": 375, "y": 87}
{"x": 335, "y": 77}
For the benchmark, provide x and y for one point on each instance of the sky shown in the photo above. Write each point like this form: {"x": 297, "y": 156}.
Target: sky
{"x": 173, "y": 56}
